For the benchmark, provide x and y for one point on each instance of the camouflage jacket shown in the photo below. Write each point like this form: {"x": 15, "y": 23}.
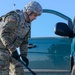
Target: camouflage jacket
{"x": 14, "y": 30}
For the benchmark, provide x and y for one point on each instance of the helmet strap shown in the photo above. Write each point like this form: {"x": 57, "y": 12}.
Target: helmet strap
{"x": 27, "y": 19}
{"x": 27, "y": 16}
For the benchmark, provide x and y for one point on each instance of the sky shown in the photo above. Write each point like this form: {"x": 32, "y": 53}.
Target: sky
{"x": 66, "y": 7}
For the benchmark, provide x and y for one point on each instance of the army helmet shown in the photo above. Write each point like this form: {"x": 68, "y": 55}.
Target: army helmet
{"x": 34, "y": 7}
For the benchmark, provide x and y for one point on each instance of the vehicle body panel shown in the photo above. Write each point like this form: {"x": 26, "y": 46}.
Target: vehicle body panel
{"x": 51, "y": 56}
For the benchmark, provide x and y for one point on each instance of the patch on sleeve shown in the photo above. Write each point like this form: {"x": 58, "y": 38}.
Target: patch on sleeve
{"x": 12, "y": 19}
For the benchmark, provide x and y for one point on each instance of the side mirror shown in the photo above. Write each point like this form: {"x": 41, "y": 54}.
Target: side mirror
{"x": 62, "y": 29}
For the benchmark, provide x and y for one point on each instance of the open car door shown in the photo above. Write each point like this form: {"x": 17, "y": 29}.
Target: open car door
{"x": 49, "y": 45}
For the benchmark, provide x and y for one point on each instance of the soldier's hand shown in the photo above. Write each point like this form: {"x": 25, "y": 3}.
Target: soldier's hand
{"x": 13, "y": 52}
{"x": 15, "y": 55}
{"x": 25, "y": 59}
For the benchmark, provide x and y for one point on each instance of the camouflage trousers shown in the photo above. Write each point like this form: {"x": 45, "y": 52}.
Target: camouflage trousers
{"x": 9, "y": 66}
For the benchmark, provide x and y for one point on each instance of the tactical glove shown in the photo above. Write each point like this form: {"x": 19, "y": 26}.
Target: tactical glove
{"x": 15, "y": 55}
{"x": 25, "y": 59}
{"x": 13, "y": 52}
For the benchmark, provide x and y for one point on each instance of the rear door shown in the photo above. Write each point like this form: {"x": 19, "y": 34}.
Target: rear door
{"x": 49, "y": 53}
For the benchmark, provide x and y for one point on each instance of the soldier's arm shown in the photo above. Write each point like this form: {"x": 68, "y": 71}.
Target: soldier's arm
{"x": 24, "y": 45}
{"x": 24, "y": 48}
{"x": 8, "y": 27}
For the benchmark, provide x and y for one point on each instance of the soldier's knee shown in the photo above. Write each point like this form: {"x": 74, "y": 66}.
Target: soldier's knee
{"x": 3, "y": 65}
{"x": 4, "y": 68}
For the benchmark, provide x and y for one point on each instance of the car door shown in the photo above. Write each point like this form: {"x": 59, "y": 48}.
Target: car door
{"x": 49, "y": 54}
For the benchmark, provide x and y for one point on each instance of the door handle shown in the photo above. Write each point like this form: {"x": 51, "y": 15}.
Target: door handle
{"x": 31, "y": 46}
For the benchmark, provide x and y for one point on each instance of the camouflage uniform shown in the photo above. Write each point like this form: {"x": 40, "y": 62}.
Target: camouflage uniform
{"x": 14, "y": 31}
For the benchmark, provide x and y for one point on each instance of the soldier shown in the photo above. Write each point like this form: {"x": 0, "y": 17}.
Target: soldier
{"x": 14, "y": 32}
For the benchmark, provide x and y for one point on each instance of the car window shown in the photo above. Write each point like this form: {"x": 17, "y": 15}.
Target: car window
{"x": 44, "y": 25}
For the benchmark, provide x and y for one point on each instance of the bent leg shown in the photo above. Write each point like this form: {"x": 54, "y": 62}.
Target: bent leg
{"x": 4, "y": 62}
{"x": 16, "y": 68}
